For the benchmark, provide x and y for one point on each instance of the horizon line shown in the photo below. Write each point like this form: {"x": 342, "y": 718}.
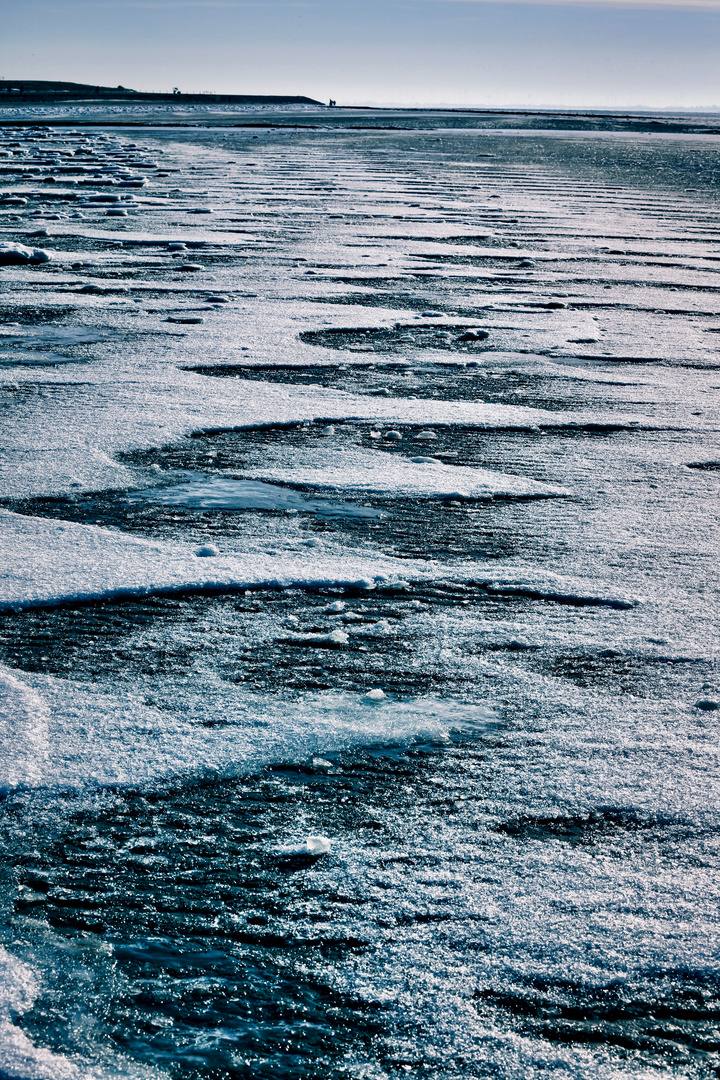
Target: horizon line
{"x": 627, "y": 5}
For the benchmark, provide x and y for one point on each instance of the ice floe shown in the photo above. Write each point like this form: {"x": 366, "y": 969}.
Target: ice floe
{"x": 141, "y": 408}
{"x": 45, "y": 561}
{"x": 92, "y": 737}
{"x": 376, "y": 471}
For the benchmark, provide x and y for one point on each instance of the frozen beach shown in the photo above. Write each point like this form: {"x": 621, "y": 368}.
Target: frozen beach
{"x": 359, "y": 507}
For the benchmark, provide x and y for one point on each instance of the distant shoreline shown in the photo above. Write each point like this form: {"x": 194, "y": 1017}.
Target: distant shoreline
{"x": 24, "y": 92}
{"x": 33, "y": 92}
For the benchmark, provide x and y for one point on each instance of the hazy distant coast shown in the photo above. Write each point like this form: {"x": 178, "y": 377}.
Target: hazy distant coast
{"x": 25, "y": 102}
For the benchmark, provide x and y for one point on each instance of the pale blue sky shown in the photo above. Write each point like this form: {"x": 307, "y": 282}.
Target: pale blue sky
{"x": 606, "y": 53}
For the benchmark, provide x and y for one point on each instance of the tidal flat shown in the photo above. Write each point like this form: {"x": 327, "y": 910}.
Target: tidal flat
{"x": 359, "y": 507}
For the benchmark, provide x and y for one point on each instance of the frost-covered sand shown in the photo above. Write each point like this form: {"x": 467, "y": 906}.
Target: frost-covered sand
{"x": 359, "y": 699}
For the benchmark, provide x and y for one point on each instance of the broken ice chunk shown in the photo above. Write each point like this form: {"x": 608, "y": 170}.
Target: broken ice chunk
{"x": 19, "y": 255}
{"x": 206, "y": 551}
{"x": 375, "y": 695}
{"x": 334, "y": 640}
{"x": 335, "y": 608}
{"x": 312, "y": 845}
{"x": 474, "y": 335}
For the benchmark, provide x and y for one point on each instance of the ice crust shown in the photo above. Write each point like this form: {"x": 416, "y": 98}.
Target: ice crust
{"x": 375, "y": 471}
{"x": 87, "y": 736}
{"x": 550, "y": 914}
{"x": 47, "y": 562}
{"x": 32, "y": 345}
{"x": 129, "y": 409}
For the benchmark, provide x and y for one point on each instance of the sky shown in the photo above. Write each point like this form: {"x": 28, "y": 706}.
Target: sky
{"x": 535, "y": 53}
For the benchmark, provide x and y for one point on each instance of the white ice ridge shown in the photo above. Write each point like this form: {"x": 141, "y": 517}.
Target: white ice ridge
{"x": 95, "y": 738}
{"x": 45, "y": 561}
{"x": 376, "y": 471}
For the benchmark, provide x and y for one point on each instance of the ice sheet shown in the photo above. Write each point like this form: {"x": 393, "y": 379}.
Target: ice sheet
{"x": 47, "y": 562}
{"x": 94, "y": 738}
{"x": 368, "y": 471}
{"x": 566, "y": 858}
{"x": 219, "y": 493}
{"x": 119, "y": 410}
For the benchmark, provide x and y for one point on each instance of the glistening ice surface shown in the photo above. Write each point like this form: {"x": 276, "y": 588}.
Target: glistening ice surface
{"x": 359, "y": 699}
